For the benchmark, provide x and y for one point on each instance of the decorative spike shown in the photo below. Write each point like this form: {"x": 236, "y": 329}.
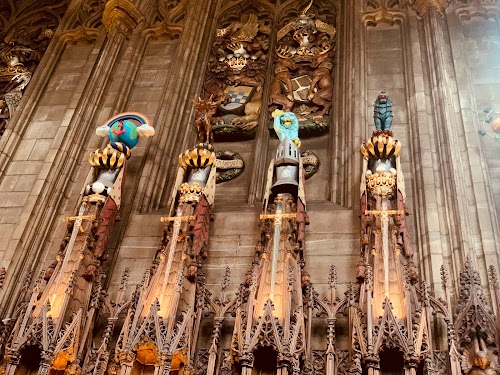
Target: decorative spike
{"x": 444, "y": 277}
{"x": 225, "y": 279}
{"x": 425, "y": 294}
{"x": 368, "y": 278}
{"x": 332, "y": 279}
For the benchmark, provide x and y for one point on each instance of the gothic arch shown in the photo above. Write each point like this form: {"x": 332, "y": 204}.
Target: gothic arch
{"x": 233, "y": 10}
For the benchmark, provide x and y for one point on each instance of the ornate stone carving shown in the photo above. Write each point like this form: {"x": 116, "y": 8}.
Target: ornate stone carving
{"x": 422, "y": 7}
{"x": 229, "y": 165}
{"x": 476, "y": 8}
{"x": 121, "y": 16}
{"x": 26, "y": 28}
{"x": 310, "y": 162}
{"x": 170, "y": 18}
{"x": 383, "y": 12}
{"x": 303, "y": 79}
{"x": 3, "y": 273}
{"x": 236, "y": 73}
{"x": 86, "y": 22}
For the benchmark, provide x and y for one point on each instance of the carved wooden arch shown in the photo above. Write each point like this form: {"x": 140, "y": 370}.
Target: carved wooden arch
{"x": 292, "y": 8}
{"x": 234, "y": 9}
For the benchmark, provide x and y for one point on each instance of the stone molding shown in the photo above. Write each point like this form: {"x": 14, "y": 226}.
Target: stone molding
{"x": 422, "y": 7}
{"x": 121, "y": 16}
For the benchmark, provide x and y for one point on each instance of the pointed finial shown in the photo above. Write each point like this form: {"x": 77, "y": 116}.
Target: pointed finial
{"x": 444, "y": 277}
{"x": 332, "y": 279}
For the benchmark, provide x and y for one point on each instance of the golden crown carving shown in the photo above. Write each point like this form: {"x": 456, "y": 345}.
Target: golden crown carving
{"x": 382, "y": 184}
{"x": 190, "y": 193}
{"x": 197, "y": 157}
{"x": 381, "y": 145}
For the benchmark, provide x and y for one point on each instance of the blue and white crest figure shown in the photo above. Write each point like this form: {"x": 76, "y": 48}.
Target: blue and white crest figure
{"x": 126, "y": 128}
{"x": 286, "y": 125}
{"x": 382, "y": 112}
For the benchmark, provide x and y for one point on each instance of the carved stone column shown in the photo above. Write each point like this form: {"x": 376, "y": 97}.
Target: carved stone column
{"x": 183, "y": 85}
{"x": 456, "y": 227}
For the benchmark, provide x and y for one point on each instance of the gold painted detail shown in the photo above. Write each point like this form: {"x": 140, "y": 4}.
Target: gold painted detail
{"x": 381, "y": 146}
{"x": 197, "y": 157}
{"x": 278, "y": 218}
{"x": 121, "y": 16}
{"x": 190, "y": 193}
{"x": 382, "y": 184}
{"x": 422, "y": 7}
{"x": 108, "y": 158}
{"x": 177, "y": 219}
{"x": 384, "y": 214}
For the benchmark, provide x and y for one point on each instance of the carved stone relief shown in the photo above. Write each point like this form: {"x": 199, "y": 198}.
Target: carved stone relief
{"x": 382, "y": 12}
{"x": 303, "y": 70}
{"x": 236, "y": 73}
{"x": 169, "y": 21}
{"x": 86, "y": 23}
{"x": 26, "y": 28}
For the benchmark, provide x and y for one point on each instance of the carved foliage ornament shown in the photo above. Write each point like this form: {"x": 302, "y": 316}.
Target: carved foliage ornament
{"x": 26, "y": 28}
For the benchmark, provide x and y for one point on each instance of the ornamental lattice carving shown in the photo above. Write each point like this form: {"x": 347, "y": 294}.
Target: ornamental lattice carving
{"x": 26, "y": 28}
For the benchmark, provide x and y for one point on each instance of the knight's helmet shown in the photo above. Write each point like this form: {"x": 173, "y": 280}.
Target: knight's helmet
{"x": 287, "y": 168}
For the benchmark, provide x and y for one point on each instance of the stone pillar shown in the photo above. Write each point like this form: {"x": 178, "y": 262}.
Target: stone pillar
{"x": 176, "y": 114}
{"x": 454, "y": 224}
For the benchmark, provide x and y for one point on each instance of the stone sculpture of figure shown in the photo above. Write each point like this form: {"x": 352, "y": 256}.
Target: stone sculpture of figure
{"x": 481, "y": 364}
{"x": 382, "y": 112}
{"x": 281, "y": 88}
{"x": 286, "y": 125}
{"x": 322, "y": 79}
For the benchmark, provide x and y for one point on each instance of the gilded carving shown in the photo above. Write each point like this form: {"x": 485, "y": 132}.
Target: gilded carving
{"x": 422, "y": 7}
{"x": 303, "y": 72}
{"x": 25, "y": 32}
{"x": 236, "y": 73}
{"x": 121, "y": 16}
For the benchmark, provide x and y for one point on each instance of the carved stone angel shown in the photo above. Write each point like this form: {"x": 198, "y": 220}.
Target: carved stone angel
{"x": 479, "y": 362}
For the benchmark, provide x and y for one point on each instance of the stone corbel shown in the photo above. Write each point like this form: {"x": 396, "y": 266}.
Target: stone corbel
{"x": 81, "y": 34}
{"x": 383, "y": 15}
{"x": 422, "y": 7}
{"x": 121, "y": 16}
{"x": 476, "y": 9}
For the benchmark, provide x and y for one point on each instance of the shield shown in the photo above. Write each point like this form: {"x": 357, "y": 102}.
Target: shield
{"x": 240, "y": 95}
{"x": 300, "y": 86}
